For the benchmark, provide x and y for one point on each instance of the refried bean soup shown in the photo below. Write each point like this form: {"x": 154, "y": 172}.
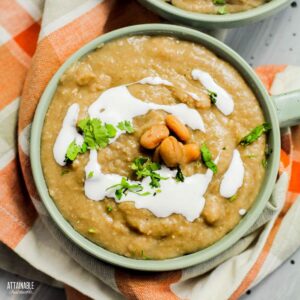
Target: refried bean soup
{"x": 219, "y": 7}
{"x": 153, "y": 147}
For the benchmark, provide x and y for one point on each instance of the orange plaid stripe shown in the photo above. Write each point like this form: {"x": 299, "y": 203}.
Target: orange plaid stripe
{"x": 82, "y": 30}
{"x": 45, "y": 63}
{"x": 15, "y": 54}
{"x": 267, "y": 73}
{"x": 143, "y": 286}
{"x": 295, "y": 178}
{"x": 265, "y": 251}
{"x": 27, "y": 39}
{"x": 17, "y": 213}
{"x": 294, "y": 186}
{"x": 11, "y": 76}
{"x": 13, "y": 17}
{"x": 284, "y": 158}
{"x": 73, "y": 294}
{"x": 53, "y": 50}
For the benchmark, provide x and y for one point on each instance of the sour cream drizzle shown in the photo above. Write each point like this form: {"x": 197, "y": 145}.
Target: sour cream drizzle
{"x": 194, "y": 96}
{"x": 117, "y": 104}
{"x": 185, "y": 198}
{"x": 233, "y": 177}
{"x": 224, "y": 101}
{"x": 155, "y": 81}
{"x": 67, "y": 135}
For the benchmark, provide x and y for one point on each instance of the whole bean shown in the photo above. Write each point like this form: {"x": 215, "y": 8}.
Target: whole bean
{"x": 156, "y": 155}
{"x": 171, "y": 151}
{"x": 213, "y": 210}
{"x": 152, "y": 137}
{"x": 191, "y": 152}
{"x": 178, "y": 128}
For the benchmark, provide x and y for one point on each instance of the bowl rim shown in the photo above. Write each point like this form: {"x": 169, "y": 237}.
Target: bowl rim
{"x": 230, "y": 238}
{"x": 217, "y": 21}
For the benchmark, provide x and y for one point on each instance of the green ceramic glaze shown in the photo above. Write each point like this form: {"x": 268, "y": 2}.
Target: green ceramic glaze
{"x": 274, "y": 140}
{"x": 288, "y": 108}
{"x": 197, "y": 20}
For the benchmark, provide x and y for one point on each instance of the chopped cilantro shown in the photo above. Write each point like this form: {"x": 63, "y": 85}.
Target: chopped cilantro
{"x": 73, "y": 150}
{"x": 126, "y": 126}
{"x": 91, "y": 174}
{"x": 233, "y": 198}
{"x": 83, "y": 148}
{"x": 213, "y": 96}
{"x": 156, "y": 192}
{"x": 111, "y": 130}
{"x": 251, "y": 155}
{"x": 198, "y": 163}
{"x": 96, "y": 135}
{"x": 207, "y": 159}
{"x": 264, "y": 163}
{"x": 64, "y": 171}
{"x": 222, "y": 10}
{"x": 144, "y": 167}
{"x": 219, "y": 2}
{"x": 179, "y": 175}
{"x": 109, "y": 209}
{"x": 124, "y": 187}
{"x": 268, "y": 152}
{"x": 255, "y": 134}
{"x": 143, "y": 255}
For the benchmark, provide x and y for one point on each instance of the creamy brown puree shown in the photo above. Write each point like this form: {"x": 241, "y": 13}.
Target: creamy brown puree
{"x": 209, "y": 7}
{"x": 120, "y": 227}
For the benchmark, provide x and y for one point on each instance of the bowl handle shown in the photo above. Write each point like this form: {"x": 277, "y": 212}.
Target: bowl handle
{"x": 288, "y": 108}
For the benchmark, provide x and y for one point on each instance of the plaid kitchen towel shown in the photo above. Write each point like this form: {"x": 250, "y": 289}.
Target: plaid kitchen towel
{"x": 36, "y": 37}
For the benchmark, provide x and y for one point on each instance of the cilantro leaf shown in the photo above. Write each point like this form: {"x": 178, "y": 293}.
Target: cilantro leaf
{"x": 111, "y": 130}
{"x": 73, "y": 150}
{"x": 212, "y": 96}
{"x": 268, "y": 152}
{"x": 83, "y": 148}
{"x": 126, "y": 126}
{"x": 144, "y": 256}
{"x": 255, "y": 133}
{"x": 222, "y": 10}
{"x": 91, "y": 174}
{"x": 219, "y": 2}
{"x": 179, "y": 175}
{"x": 96, "y": 135}
{"x": 207, "y": 159}
{"x": 124, "y": 187}
{"x": 233, "y": 198}
{"x": 64, "y": 171}
{"x": 144, "y": 167}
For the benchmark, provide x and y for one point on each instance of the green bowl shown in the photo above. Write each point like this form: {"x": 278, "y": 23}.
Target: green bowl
{"x": 274, "y": 140}
{"x": 198, "y": 20}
